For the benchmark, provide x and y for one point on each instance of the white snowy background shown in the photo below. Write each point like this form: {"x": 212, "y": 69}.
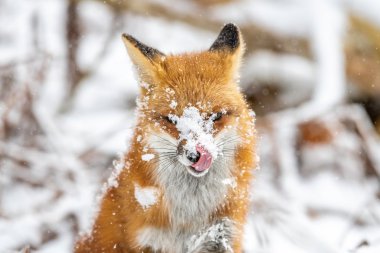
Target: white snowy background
{"x": 317, "y": 188}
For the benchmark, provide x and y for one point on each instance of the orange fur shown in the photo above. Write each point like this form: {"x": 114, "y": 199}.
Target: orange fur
{"x": 204, "y": 78}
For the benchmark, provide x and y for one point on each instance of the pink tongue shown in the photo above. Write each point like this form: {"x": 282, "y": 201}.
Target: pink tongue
{"x": 204, "y": 161}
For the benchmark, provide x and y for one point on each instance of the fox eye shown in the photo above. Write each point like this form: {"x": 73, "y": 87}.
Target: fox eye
{"x": 171, "y": 120}
{"x": 217, "y": 116}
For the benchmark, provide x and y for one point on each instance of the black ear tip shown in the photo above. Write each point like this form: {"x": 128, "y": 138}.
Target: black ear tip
{"x": 130, "y": 38}
{"x": 228, "y": 38}
{"x": 144, "y": 49}
{"x": 133, "y": 41}
{"x": 230, "y": 27}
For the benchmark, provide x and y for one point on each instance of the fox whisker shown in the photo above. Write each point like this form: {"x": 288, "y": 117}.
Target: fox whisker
{"x": 164, "y": 139}
{"x": 228, "y": 140}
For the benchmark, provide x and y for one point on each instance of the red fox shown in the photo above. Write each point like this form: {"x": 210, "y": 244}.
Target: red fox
{"x": 185, "y": 183}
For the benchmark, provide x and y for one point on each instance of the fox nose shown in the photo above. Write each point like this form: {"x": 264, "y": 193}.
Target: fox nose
{"x": 193, "y": 157}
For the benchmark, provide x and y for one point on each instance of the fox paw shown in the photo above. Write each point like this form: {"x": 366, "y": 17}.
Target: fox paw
{"x": 215, "y": 239}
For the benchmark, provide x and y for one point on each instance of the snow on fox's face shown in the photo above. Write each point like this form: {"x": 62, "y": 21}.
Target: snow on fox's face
{"x": 194, "y": 140}
{"x": 194, "y": 137}
{"x": 196, "y": 148}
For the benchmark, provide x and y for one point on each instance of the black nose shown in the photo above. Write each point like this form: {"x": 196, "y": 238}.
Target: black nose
{"x": 193, "y": 157}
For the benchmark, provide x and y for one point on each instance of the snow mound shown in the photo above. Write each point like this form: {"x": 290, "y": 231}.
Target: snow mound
{"x": 146, "y": 196}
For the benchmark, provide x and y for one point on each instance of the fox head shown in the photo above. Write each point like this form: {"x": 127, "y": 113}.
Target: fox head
{"x": 192, "y": 113}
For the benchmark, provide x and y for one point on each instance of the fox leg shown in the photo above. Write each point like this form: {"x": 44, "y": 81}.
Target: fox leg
{"x": 107, "y": 233}
{"x": 218, "y": 238}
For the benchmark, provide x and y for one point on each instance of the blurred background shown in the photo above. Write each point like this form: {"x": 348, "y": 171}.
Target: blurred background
{"x": 311, "y": 73}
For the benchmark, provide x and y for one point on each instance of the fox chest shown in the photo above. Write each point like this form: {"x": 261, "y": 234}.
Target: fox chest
{"x": 192, "y": 200}
{"x": 188, "y": 206}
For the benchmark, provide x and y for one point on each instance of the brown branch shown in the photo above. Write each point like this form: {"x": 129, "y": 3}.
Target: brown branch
{"x": 72, "y": 39}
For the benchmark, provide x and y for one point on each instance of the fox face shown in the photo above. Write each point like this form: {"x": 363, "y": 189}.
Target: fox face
{"x": 190, "y": 104}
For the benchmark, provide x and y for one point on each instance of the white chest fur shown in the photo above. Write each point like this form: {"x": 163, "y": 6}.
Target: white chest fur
{"x": 163, "y": 240}
{"x": 190, "y": 200}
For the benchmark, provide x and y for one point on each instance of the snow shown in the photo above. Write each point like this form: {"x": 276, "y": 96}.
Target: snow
{"x": 118, "y": 165}
{"x": 215, "y": 233}
{"x": 328, "y": 53}
{"x": 147, "y": 157}
{"x": 230, "y": 181}
{"x": 173, "y": 104}
{"x": 146, "y": 196}
{"x": 195, "y": 129}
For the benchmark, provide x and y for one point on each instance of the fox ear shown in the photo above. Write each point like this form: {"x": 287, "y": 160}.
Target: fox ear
{"x": 229, "y": 39}
{"x": 231, "y": 45}
{"x": 146, "y": 59}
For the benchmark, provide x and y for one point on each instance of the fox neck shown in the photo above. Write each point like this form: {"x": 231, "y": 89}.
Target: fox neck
{"x": 191, "y": 200}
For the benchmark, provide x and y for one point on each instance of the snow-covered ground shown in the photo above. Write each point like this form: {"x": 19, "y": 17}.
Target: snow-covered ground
{"x": 48, "y": 194}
